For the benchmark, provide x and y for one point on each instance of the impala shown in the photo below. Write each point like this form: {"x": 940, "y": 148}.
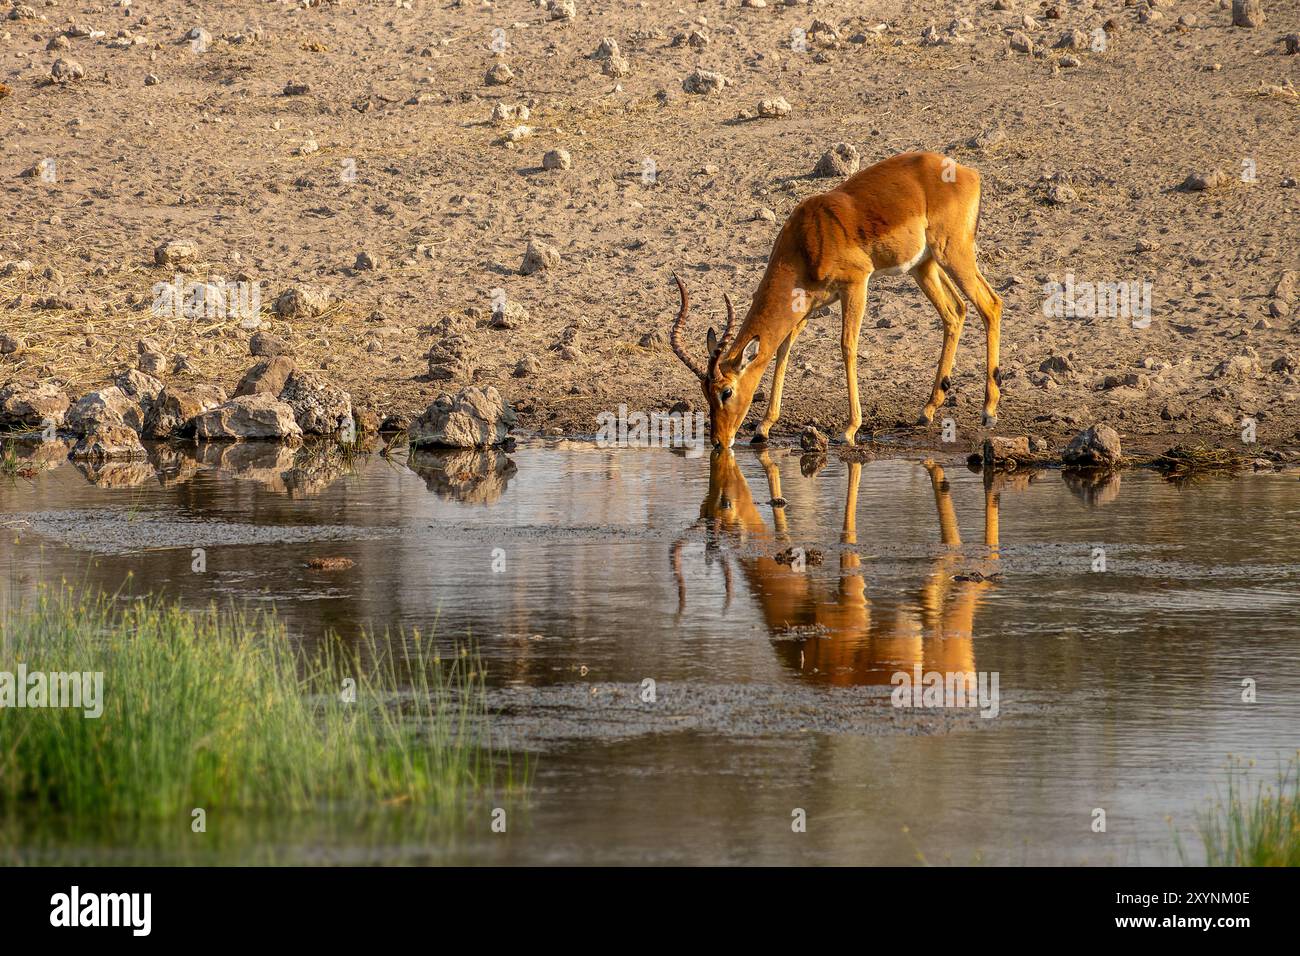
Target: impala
{"x": 914, "y": 213}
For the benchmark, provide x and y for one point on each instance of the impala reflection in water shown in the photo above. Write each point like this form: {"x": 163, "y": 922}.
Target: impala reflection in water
{"x": 840, "y": 636}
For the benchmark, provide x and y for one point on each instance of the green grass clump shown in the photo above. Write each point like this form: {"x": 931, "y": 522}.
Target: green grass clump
{"x": 1255, "y": 826}
{"x": 213, "y": 709}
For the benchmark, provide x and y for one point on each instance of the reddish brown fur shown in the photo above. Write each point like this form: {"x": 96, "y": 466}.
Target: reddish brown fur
{"x": 916, "y": 210}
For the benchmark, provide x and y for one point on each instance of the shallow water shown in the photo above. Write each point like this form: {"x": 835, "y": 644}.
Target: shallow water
{"x": 581, "y": 573}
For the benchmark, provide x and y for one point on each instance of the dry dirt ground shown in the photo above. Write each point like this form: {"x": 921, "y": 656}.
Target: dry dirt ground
{"x": 171, "y": 139}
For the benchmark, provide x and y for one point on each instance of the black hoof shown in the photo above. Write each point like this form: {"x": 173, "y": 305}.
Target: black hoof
{"x": 758, "y": 439}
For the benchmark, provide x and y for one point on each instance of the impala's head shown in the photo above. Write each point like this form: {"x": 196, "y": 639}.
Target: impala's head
{"x": 728, "y": 381}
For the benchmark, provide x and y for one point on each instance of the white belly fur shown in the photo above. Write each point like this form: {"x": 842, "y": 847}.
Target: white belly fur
{"x": 908, "y": 266}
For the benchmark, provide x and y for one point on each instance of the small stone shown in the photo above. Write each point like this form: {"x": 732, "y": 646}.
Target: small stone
{"x": 174, "y": 412}
{"x": 508, "y": 315}
{"x": 988, "y": 139}
{"x": 704, "y": 82}
{"x": 1247, "y": 13}
{"x": 562, "y": 10}
{"x": 109, "y": 442}
{"x": 1021, "y": 43}
{"x": 1286, "y": 285}
{"x": 499, "y": 75}
{"x": 1061, "y": 194}
{"x": 1058, "y": 364}
{"x": 775, "y": 107}
{"x": 528, "y": 365}
{"x": 840, "y": 160}
{"x": 472, "y": 418}
{"x": 1199, "y": 182}
{"x": 319, "y": 407}
{"x": 366, "y": 261}
{"x": 557, "y": 159}
{"x": 266, "y": 345}
{"x": 66, "y": 71}
{"x": 1000, "y": 451}
{"x": 152, "y": 363}
{"x": 538, "y": 257}
{"x": 616, "y": 66}
{"x": 267, "y": 377}
{"x": 107, "y": 406}
{"x": 32, "y": 405}
{"x": 1095, "y": 447}
{"x": 1073, "y": 40}
{"x": 302, "y": 302}
{"x": 175, "y": 251}
{"x": 810, "y": 439}
{"x": 259, "y": 416}
{"x": 139, "y": 386}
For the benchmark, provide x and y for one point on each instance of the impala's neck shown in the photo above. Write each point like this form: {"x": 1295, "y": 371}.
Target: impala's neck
{"x": 778, "y": 306}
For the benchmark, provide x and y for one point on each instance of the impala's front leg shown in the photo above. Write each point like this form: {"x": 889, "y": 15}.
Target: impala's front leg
{"x": 778, "y": 385}
{"x": 853, "y": 303}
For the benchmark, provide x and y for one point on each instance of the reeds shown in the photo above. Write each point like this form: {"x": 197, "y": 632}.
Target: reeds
{"x": 1254, "y": 826}
{"x": 213, "y": 709}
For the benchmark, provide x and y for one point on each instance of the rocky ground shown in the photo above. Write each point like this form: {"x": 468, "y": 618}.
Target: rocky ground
{"x": 431, "y": 194}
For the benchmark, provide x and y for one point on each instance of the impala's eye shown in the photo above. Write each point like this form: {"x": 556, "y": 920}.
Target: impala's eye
{"x": 724, "y": 395}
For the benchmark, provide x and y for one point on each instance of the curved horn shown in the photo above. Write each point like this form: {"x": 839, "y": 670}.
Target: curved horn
{"x": 726, "y": 336}
{"x": 676, "y": 335}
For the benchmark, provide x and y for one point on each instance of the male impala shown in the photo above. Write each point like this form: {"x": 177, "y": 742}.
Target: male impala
{"x": 914, "y": 213}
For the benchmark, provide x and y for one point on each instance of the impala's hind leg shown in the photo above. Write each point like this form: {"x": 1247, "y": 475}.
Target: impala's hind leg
{"x": 778, "y": 385}
{"x": 943, "y": 295}
{"x": 960, "y": 264}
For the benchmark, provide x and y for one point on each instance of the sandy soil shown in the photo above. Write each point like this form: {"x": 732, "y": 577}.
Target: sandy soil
{"x": 210, "y": 152}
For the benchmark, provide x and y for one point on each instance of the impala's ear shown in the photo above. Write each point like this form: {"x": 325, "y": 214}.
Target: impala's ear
{"x": 711, "y": 342}
{"x": 750, "y": 353}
